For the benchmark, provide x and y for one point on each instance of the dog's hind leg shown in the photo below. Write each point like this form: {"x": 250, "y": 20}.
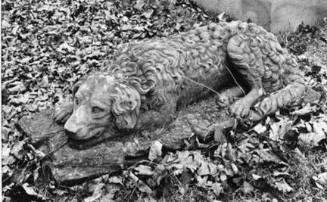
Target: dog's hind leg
{"x": 292, "y": 94}
{"x": 296, "y": 92}
{"x": 245, "y": 64}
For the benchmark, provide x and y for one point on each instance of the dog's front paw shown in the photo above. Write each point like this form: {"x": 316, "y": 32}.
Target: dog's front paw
{"x": 240, "y": 108}
{"x": 63, "y": 112}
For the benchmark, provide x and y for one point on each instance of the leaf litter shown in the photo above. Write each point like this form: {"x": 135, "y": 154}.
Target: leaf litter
{"x": 48, "y": 45}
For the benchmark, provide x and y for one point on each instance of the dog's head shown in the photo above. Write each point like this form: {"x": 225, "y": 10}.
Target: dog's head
{"x": 102, "y": 103}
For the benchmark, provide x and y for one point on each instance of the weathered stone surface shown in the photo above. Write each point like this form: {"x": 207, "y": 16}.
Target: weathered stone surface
{"x": 75, "y": 161}
{"x": 40, "y": 128}
{"x": 70, "y": 164}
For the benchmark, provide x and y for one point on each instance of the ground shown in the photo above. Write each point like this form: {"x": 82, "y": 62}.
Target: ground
{"x": 48, "y": 45}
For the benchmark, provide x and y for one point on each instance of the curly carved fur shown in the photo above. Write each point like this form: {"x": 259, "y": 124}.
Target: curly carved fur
{"x": 147, "y": 80}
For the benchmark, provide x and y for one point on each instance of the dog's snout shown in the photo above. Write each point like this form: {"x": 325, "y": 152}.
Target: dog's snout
{"x": 72, "y": 128}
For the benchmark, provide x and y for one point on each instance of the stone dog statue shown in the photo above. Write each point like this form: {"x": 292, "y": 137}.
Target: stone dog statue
{"x": 149, "y": 80}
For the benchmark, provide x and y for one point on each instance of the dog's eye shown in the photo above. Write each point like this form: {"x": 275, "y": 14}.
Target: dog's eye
{"x": 96, "y": 110}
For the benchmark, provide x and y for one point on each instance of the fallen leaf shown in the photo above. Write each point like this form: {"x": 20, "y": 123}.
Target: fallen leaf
{"x": 16, "y": 87}
{"x": 283, "y": 186}
{"x": 307, "y": 109}
{"x": 97, "y": 192}
{"x": 319, "y": 128}
{"x": 111, "y": 192}
{"x": 17, "y": 150}
{"x": 116, "y": 180}
{"x": 139, "y": 4}
{"x": 222, "y": 17}
{"x": 247, "y": 187}
{"x": 144, "y": 170}
{"x": 256, "y": 177}
{"x": 64, "y": 47}
{"x": 279, "y": 129}
{"x": 29, "y": 190}
{"x": 207, "y": 168}
{"x": 32, "y": 192}
{"x": 322, "y": 178}
{"x": 260, "y": 128}
{"x": 148, "y": 13}
{"x": 217, "y": 188}
{"x": 5, "y": 153}
{"x": 143, "y": 187}
{"x": 266, "y": 155}
{"x": 155, "y": 151}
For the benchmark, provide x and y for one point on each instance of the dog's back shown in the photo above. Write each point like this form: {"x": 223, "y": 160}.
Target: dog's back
{"x": 179, "y": 63}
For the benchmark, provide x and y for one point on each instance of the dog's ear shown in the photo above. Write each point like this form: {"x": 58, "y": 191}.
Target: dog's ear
{"x": 82, "y": 80}
{"x": 126, "y": 106}
{"x": 78, "y": 84}
{"x": 76, "y": 87}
